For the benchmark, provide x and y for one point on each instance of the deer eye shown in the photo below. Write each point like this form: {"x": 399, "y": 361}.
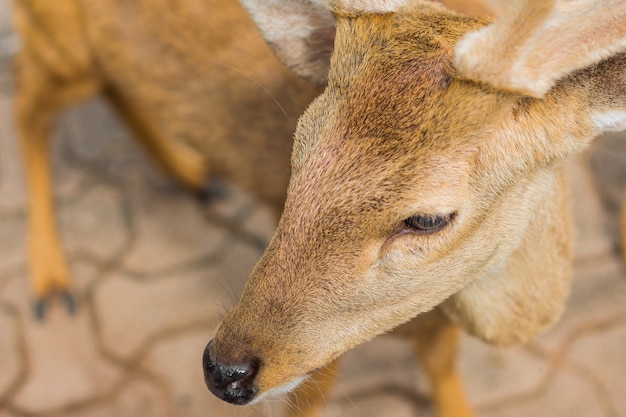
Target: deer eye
{"x": 427, "y": 224}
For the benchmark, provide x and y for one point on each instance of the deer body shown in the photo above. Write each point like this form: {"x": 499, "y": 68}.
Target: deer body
{"x": 414, "y": 187}
{"x": 205, "y": 78}
{"x": 193, "y": 80}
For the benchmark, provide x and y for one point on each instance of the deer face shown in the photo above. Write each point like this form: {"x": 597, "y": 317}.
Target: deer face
{"x": 404, "y": 194}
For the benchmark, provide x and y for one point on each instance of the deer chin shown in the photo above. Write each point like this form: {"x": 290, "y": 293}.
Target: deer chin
{"x": 282, "y": 389}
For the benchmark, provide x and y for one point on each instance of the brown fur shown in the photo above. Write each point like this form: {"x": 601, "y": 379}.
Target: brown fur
{"x": 514, "y": 54}
{"x": 399, "y": 132}
{"x": 183, "y": 77}
{"x": 192, "y": 78}
{"x": 164, "y": 66}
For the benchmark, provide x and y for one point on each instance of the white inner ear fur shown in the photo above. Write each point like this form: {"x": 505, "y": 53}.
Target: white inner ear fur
{"x": 365, "y": 6}
{"x": 573, "y": 35}
{"x": 279, "y": 19}
{"x": 610, "y": 121}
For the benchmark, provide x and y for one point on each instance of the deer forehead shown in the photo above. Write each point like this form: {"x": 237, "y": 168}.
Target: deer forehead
{"x": 390, "y": 127}
{"x": 392, "y": 77}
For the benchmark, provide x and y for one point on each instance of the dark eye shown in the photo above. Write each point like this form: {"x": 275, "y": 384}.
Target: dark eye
{"x": 426, "y": 224}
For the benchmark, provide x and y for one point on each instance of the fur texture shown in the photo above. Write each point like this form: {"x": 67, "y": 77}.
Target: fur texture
{"x": 538, "y": 42}
{"x": 192, "y": 78}
{"x": 401, "y": 133}
{"x": 290, "y": 27}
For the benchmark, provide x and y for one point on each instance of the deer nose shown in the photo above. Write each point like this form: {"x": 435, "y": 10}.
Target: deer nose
{"x": 233, "y": 383}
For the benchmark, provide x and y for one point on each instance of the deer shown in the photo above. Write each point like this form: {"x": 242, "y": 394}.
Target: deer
{"x": 427, "y": 193}
{"x": 193, "y": 80}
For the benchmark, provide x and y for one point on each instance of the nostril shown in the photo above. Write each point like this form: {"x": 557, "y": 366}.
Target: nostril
{"x": 224, "y": 375}
{"x": 233, "y": 383}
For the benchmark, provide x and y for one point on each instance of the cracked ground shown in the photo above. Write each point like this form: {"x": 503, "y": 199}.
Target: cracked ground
{"x": 154, "y": 274}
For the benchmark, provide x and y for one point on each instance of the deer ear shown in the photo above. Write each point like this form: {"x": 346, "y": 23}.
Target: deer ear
{"x": 300, "y": 32}
{"x": 536, "y": 42}
{"x": 607, "y": 94}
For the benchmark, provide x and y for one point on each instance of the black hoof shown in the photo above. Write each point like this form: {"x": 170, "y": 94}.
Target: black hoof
{"x": 42, "y": 305}
{"x": 70, "y": 303}
{"x": 214, "y": 190}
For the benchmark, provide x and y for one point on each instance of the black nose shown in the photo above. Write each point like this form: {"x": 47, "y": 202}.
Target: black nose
{"x": 233, "y": 383}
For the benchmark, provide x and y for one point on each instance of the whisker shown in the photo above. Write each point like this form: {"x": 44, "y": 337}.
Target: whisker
{"x": 282, "y": 109}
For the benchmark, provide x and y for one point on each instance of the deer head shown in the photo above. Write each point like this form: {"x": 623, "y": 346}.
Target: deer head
{"x": 425, "y": 175}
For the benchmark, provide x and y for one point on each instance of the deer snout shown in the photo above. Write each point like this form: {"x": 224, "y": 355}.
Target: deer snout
{"x": 233, "y": 383}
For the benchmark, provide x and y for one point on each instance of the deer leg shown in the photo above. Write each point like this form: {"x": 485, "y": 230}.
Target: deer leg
{"x": 186, "y": 165}
{"x": 623, "y": 228}
{"x": 436, "y": 346}
{"x": 40, "y": 97}
{"x": 308, "y": 397}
